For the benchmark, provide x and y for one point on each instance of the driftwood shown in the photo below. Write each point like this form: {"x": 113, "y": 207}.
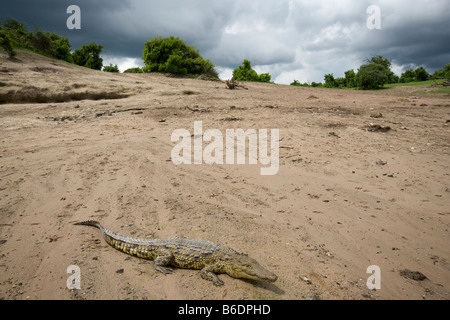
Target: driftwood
{"x": 233, "y": 84}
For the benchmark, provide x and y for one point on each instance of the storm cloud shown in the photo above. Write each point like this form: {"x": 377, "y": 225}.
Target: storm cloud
{"x": 290, "y": 39}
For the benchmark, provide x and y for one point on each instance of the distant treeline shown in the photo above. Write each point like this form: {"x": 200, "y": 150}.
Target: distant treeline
{"x": 374, "y": 75}
{"x": 172, "y": 55}
{"x": 13, "y": 34}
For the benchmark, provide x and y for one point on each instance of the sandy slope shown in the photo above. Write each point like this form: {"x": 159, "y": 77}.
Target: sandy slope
{"x": 338, "y": 204}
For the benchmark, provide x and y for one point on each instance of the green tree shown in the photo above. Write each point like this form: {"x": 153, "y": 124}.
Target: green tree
{"x": 264, "y": 77}
{"x": 133, "y": 70}
{"x": 89, "y": 56}
{"x": 244, "y": 72}
{"x": 329, "y": 81}
{"x": 175, "y": 65}
{"x": 339, "y": 83}
{"x": 385, "y": 62}
{"x": 350, "y": 79}
{"x": 371, "y": 76}
{"x": 407, "y": 76}
{"x": 17, "y": 33}
{"x": 420, "y": 74}
{"x": 445, "y": 72}
{"x": 381, "y": 60}
{"x": 60, "y": 47}
{"x": 41, "y": 42}
{"x": 111, "y": 68}
{"x": 5, "y": 43}
{"x": 172, "y": 55}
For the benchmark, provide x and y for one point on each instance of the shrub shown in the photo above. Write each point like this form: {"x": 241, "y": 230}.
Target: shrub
{"x": 245, "y": 73}
{"x": 391, "y": 77}
{"x": 350, "y": 79}
{"x": 172, "y": 55}
{"x": 371, "y": 76}
{"x": 445, "y": 72}
{"x": 420, "y": 74}
{"x": 264, "y": 77}
{"x": 133, "y": 70}
{"x": 89, "y": 56}
{"x": 5, "y": 43}
{"x": 111, "y": 68}
{"x": 329, "y": 81}
{"x": 17, "y": 33}
{"x": 60, "y": 47}
{"x": 407, "y": 76}
{"x": 41, "y": 42}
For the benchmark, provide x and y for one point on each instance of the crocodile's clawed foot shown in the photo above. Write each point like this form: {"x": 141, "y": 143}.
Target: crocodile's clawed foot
{"x": 164, "y": 270}
{"x": 218, "y": 282}
{"x": 208, "y": 275}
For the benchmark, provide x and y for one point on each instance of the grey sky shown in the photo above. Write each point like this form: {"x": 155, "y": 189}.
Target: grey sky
{"x": 290, "y": 39}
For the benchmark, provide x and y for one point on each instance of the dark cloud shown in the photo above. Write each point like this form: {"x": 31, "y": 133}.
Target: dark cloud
{"x": 290, "y": 39}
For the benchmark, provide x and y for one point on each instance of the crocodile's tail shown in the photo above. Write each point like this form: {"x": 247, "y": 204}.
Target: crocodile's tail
{"x": 91, "y": 223}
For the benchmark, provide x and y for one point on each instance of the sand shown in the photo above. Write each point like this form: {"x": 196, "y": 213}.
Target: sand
{"x": 363, "y": 181}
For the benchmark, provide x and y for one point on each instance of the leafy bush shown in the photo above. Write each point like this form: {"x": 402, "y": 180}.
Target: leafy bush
{"x": 245, "y": 73}
{"x": 111, "y": 68}
{"x": 172, "y": 55}
{"x": 371, "y": 76}
{"x": 329, "y": 81}
{"x": 445, "y": 72}
{"x": 17, "y": 33}
{"x": 296, "y": 83}
{"x": 60, "y": 47}
{"x": 391, "y": 77}
{"x": 350, "y": 79}
{"x": 421, "y": 74}
{"x": 407, "y": 76}
{"x": 89, "y": 56}
{"x": 133, "y": 70}
{"x": 5, "y": 43}
{"x": 42, "y": 42}
{"x": 264, "y": 77}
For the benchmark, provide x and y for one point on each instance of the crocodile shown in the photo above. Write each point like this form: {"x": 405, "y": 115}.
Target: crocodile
{"x": 202, "y": 255}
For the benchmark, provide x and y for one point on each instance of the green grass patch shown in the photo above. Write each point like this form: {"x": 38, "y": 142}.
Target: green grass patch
{"x": 415, "y": 83}
{"x": 437, "y": 90}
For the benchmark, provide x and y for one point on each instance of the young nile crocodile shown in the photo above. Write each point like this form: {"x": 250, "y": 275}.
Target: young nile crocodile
{"x": 189, "y": 254}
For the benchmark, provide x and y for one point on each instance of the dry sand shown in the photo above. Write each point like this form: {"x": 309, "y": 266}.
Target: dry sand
{"x": 339, "y": 203}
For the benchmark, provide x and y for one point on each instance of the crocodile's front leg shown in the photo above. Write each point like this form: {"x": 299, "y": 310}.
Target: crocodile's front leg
{"x": 164, "y": 258}
{"x": 208, "y": 274}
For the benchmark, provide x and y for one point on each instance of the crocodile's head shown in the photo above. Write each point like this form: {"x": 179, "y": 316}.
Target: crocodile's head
{"x": 242, "y": 266}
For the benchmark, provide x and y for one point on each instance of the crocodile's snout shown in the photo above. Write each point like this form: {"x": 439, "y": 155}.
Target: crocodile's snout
{"x": 245, "y": 267}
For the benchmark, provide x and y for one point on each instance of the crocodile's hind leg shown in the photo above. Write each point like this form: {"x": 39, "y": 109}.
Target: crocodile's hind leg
{"x": 164, "y": 258}
{"x": 208, "y": 274}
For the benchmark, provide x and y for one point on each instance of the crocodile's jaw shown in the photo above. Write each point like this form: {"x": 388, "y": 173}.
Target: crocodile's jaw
{"x": 244, "y": 267}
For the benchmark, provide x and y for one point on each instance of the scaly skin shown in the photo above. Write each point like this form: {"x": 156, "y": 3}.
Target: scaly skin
{"x": 202, "y": 255}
